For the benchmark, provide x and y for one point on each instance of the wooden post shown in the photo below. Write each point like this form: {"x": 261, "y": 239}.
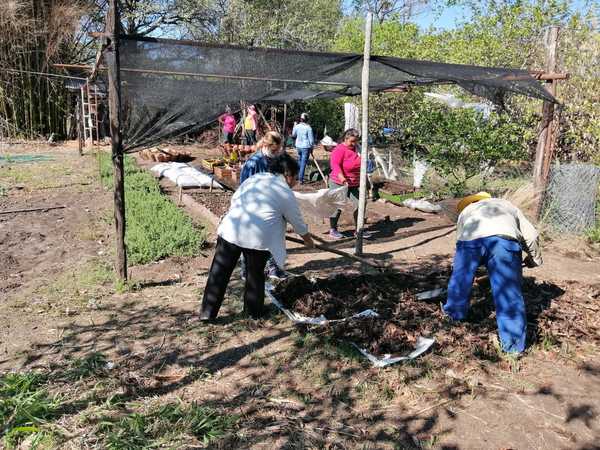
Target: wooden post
{"x": 362, "y": 198}
{"x": 545, "y": 145}
{"x": 79, "y": 119}
{"x": 114, "y": 104}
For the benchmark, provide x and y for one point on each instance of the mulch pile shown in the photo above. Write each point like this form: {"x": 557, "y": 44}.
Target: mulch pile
{"x": 562, "y": 313}
{"x": 310, "y": 186}
{"x": 216, "y": 201}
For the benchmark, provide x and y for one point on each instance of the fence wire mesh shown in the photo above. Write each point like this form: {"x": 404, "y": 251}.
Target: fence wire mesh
{"x": 570, "y": 202}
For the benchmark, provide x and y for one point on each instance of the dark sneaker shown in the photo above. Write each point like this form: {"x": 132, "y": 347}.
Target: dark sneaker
{"x": 275, "y": 273}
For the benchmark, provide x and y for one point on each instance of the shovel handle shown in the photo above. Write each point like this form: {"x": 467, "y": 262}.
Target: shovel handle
{"x": 326, "y": 248}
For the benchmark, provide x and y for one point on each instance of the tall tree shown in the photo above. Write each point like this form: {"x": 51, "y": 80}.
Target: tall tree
{"x": 384, "y": 9}
{"x": 33, "y": 35}
{"x": 281, "y": 23}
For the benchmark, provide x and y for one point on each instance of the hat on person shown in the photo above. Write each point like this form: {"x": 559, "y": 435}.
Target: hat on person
{"x": 304, "y": 116}
{"x": 328, "y": 142}
{"x": 471, "y": 199}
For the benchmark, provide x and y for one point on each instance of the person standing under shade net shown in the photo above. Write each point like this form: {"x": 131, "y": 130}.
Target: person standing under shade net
{"x": 345, "y": 170}
{"x": 303, "y": 134}
{"x": 255, "y": 226}
{"x": 227, "y": 120}
{"x": 251, "y": 125}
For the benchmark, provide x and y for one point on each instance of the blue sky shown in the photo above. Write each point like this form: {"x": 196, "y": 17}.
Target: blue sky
{"x": 449, "y": 17}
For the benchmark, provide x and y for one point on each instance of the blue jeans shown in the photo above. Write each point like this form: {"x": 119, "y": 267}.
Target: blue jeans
{"x": 303, "y": 155}
{"x": 502, "y": 257}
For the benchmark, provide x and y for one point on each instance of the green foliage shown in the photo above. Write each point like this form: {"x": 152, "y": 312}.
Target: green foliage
{"x": 322, "y": 114}
{"x": 89, "y": 366}
{"x": 508, "y": 34}
{"x": 156, "y": 228}
{"x": 281, "y": 24}
{"x": 24, "y": 405}
{"x": 460, "y": 143}
{"x": 165, "y": 425}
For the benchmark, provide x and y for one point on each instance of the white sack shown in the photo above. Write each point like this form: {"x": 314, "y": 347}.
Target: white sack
{"x": 323, "y": 203}
{"x": 184, "y": 175}
{"x": 421, "y": 205}
{"x": 351, "y": 116}
{"x": 420, "y": 168}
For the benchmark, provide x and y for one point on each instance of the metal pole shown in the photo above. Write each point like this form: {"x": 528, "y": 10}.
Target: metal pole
{"x": 362, "y": 198}
{"x": 114, "y": 102}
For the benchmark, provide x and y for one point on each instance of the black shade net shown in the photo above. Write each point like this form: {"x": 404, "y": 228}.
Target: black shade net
{"x": 170, "y": 88}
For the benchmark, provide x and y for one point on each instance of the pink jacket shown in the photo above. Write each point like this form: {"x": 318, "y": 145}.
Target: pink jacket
{"x": 346, "y": 161}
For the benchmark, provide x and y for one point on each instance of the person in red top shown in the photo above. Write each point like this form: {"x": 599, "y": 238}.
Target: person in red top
{"x": 345, "y": 170}
{"x": 228, "y": 122}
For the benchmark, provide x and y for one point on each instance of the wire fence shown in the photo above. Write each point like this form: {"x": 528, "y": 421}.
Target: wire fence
{"x": 570, "y": 202}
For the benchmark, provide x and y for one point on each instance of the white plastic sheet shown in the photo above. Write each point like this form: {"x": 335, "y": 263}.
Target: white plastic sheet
{"x": 438, "y": 292}
{"x": 421, "y": 205}
{"x": 184, "y": 175}
{"x": 323, "y": 203}
{"x": 351, "y": 116}
{"x": 419, "y": 170}
{"x": 421, "y": 347}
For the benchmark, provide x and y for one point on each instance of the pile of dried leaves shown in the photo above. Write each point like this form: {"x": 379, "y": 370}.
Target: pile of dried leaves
{"x": 563, "y": 313}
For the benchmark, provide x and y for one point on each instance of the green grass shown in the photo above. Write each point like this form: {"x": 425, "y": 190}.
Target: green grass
{"x": 165, "y": 426}
{"x": 24, "y": 405}
{"x": 89, "y": 366}
{"x": 156, "y": 228}
{"x": 75, "y": 287}
{"x": 401, "y": 197}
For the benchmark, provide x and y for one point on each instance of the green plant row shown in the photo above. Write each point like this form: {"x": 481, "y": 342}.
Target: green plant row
{"x": 155, "y": 227}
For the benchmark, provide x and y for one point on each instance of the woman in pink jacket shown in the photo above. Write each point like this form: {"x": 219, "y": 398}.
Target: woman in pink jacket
{"x": 345, "y": 170}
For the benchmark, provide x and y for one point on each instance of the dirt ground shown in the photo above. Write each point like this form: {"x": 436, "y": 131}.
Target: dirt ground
{"x": 292, "y": 387}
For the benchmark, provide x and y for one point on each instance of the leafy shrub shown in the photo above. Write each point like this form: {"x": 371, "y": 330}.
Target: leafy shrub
{"x": 156, "y": 228}
{"x": 462, "y": 143}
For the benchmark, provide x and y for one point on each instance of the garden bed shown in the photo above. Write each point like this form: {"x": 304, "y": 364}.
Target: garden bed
{"x": 216, "y": 201}
{"x": 553, "y": 313}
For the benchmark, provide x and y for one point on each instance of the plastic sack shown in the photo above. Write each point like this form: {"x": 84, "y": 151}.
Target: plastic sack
{"x": 184, "y": 175}
{"x": 420, "y": 168}
{"x": 323, "y": 203}
{"x": 421, "y": 205}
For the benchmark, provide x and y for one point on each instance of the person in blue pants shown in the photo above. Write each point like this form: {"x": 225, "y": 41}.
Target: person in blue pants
{"x": 493, "y": 232}
{"x": 304, "y": 142}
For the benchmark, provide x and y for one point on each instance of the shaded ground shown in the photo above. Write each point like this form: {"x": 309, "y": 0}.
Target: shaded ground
{"x": 292, "y": 388}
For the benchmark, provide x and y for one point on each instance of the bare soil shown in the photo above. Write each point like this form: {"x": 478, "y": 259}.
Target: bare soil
{"x": 292, "y": 388}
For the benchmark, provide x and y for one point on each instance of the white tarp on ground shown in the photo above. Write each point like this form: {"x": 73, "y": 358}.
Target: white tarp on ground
{"x": 421, "y": 347}
{"x": 323, "y": 203}
{"x": 184, "y": 175}
{"x": 421, "y": 205}
{"x": 422, "y": 344}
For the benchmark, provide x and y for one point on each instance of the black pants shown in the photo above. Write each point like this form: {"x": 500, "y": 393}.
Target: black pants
{"x": 223, "y": 263}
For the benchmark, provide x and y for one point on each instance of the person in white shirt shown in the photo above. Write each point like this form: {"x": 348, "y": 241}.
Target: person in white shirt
{"x": 493, "y": 232}
{"x": 255, "y": 226}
